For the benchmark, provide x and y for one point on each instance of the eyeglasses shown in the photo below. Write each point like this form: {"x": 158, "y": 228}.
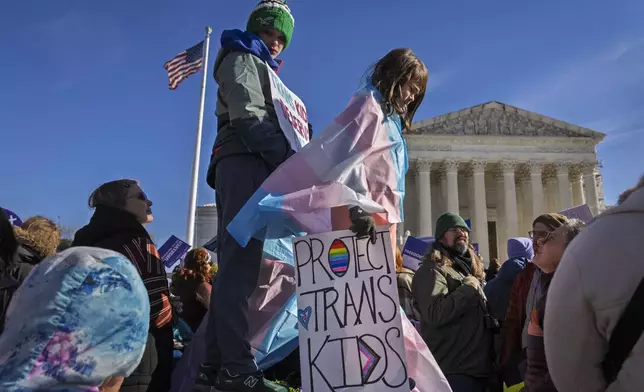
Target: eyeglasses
{"x": 538, "y": 234}
{"x": 459, "y": 229}
{"x": 549, "y": 237}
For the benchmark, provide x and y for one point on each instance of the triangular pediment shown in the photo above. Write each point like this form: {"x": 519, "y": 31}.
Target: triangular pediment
{"x": 498, "y": 119}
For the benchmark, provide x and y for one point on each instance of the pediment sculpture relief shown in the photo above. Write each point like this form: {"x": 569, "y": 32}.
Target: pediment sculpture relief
{"x": 495, "y": 122}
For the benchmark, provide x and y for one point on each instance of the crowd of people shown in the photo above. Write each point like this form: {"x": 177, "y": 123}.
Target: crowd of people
{"x": 533, "y": 328}
{"x": 563, "y": 313}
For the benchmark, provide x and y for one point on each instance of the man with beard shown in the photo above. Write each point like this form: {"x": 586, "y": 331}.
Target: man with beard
{"x": 455, "y": 322}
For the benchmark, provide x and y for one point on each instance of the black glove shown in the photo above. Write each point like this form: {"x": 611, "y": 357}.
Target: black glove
{"x": 362, "y": 223}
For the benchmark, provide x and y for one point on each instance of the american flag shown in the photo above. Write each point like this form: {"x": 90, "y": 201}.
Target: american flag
{"x": 184, "y": 64}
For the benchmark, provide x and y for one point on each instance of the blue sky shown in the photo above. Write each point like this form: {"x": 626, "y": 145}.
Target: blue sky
{"x": 85, "y": 100}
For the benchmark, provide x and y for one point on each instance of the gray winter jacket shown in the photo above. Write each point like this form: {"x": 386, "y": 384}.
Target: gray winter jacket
{"x": 246, "y": 118}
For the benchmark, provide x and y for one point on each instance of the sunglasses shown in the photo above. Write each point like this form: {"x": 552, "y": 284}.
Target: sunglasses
{"x": 141, "y": 196}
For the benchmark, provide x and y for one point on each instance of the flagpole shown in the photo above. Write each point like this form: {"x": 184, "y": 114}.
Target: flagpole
{"x": 192, "y": 209}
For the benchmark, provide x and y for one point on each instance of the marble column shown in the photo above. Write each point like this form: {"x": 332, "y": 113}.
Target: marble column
{"x": 501, "y": 225}
{"x": 411, "y": 202}
{"x": 425, "y": 197}
{"x": 536, "y": 189}
{"x": 478, "y": 210}
{"x": 510, "y": 199}
{"x": 590, "y": 186}
{"x": 451, "y": 171}
{"x": 524, "y": 203}
{"x": 441, "y": 180}
{"x": 550, "y": 188}
{"x": 577, "y": 187}
{"x": 563, "y": 181}
{"x": 526, "y": 209}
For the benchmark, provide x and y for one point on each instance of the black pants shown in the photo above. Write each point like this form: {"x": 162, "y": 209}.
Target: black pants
{"x": 463, "y": 383}
{"x": 237, "y": 179}
{"x": 155, "y": 369}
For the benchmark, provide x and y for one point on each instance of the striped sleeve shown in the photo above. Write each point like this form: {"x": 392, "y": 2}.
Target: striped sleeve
{"x": 145, "y": 257}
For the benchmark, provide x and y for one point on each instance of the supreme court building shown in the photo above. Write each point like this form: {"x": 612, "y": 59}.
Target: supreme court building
{"x": 500, "y": 167}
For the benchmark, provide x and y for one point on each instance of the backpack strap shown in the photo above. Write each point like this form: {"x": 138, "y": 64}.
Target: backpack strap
{"x": 627, "y": 332}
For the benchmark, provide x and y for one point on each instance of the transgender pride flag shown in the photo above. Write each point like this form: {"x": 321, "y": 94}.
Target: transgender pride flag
{"x": 359, "y": 160}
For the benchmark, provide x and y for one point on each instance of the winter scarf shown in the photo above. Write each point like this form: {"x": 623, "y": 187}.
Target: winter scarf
{"x": 243, "y": 41}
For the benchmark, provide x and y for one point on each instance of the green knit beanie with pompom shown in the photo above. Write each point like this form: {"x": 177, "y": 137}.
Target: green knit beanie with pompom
{"x": 272, "y": 14}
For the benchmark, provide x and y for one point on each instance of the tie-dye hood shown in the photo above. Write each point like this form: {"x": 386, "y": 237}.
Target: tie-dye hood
{"x": 79, "y": 317}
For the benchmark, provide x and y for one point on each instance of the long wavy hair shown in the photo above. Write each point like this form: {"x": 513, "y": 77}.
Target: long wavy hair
{"x": 196, "y": 265}
{"x": 391, "y": 73}
{"x": 399, "y": 260}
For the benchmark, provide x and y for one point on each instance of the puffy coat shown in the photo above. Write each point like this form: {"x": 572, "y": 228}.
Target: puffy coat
{"x": 594, "y": 282}
{"x": 246, "y": 119}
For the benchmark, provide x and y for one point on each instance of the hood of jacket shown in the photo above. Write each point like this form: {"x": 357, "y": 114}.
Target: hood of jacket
{"x": 520, "y": 247}
{"x": 93, "y": 304}
{"x": 634, "y": 203}
{"x": 510, "y": 269}
{"x": 243, "y": 41}
{"x": 108, "y": 222}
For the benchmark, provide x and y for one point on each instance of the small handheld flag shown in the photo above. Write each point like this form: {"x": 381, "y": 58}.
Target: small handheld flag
{"x": 184, "y": 64}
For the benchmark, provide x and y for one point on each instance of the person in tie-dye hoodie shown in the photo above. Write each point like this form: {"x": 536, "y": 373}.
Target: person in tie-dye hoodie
{"x": 79, "y": 322}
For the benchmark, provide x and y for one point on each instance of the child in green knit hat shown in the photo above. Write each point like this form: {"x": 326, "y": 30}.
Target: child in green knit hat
{"x": 250, "y": 144}
{"x": 272, "y": 15}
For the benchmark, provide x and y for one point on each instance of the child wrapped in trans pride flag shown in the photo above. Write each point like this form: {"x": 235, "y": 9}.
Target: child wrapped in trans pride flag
{"x": 351, "y": 176}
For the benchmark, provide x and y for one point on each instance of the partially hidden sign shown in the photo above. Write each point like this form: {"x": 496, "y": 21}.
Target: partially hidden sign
{"x": 350, "y": 328}
{"x": 291, "y": 113}
{"x": 581, "y": 212}
{"x": 413, "y": 252}
{"x": 13, "y": 218}
{"x": 173, "y": 251}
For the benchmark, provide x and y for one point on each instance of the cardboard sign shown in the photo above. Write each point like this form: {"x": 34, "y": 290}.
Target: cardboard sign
{"x": 173, "y": 251}
{"x": 581, "y": 212}
{"x": 349, "y": 318}
{"x": 291, "y": 113}
{"x": 13, "y": 218}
